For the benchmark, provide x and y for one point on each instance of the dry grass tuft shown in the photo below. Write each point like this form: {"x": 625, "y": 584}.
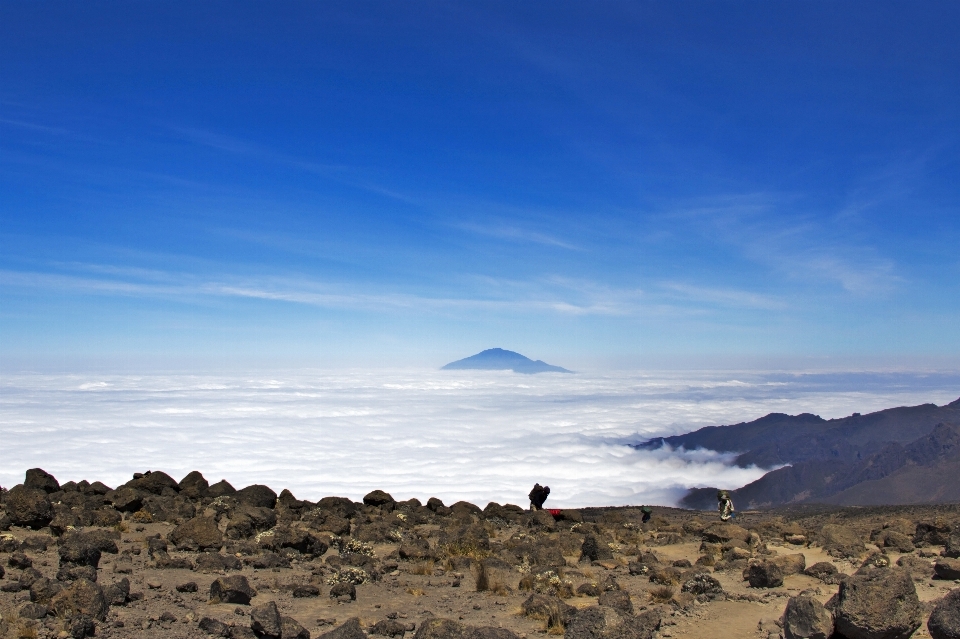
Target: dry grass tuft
{"x": 661, "y": 594}
{"x": 422, "y": 568}
{"x": 416, "y": 592}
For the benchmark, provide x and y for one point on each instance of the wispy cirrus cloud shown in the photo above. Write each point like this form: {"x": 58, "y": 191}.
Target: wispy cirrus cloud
{"x": 766, "y": 228}
{"x": 515, "y": 233}
{"x": 556, "y": 295}
{"x": 722, "y": 296}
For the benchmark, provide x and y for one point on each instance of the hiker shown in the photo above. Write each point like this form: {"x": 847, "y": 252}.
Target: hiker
{"x": 647, "y": 511}
{"x": 724, "y": 505}
{"x": 537, "y": 496}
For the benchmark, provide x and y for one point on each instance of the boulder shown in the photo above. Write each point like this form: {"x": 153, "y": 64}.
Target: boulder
{"x": 790, "y": 564}
{"x": 932, "y": 533}
{"x": 19, "y": 560}
{"x": 350, "y": 629}
{"x": 43, "y": 590}
{"x": 721, "y": 533}
{"x": 305, "y": 591}
{"x": 821, "y": 570}
{"x": 155, "y": 482}
{"x": 220, "y": 489}
{"x": 593, "y": 550}
{"x": 257, "y": 495}
{"x": 841, "y": 541}
{"x": 806, "y": 618}
{"x": 215, "y": 562}
{"x": 126, "y": 499}
{"x": 32, "y": 610}
{"x": 496, "y": 575}
{"x": 388, "y": 628}
{"x": 78, "y": 552}
{"x": 618, "y": 600}
{"x": 435, "y": 628}
{"x": 896, "y": 540}
{"x": 947, "y": 568}
{"x": 344, "y": 590}
{"x": 764, "y": 575}
{"x": 28, "y": 507}
{"x": 471, "y": 537}
{"x": 194, "y": 486}
{"x": 39, "y": 479}
{"x": 489, "y": 632}
{"x": 378, "y": 498}
{"x": 951, "y": 547}
{"x": 434, "y": 504}
{"x": 117, "y": 593}
{"x": 83, "y": 598}
{"x": 199, "y": 533}
{"x": 944, "y": 622}
{"x": 234, "y": 589}
{"x": 600, "y": 622}
{"x": 290, "y": 628}
{"x": 877, "y": 603}
{"x": 702, "y": 584}
{"x": 265, "y": 620}
{"x": 214, "y": 627}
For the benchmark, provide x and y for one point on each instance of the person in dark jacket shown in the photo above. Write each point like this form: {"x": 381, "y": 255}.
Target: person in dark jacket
{"x": 538, "y": 495}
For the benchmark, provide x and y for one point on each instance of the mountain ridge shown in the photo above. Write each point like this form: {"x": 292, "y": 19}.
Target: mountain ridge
{"x": 906, "y": 454}
{"x": 499, "y": 359}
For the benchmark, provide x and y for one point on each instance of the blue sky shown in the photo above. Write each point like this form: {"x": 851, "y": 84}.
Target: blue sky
{"x": 358, "y": 183}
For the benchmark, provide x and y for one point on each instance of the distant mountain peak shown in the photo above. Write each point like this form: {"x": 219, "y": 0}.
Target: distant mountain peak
{"x": 499, "y": 359}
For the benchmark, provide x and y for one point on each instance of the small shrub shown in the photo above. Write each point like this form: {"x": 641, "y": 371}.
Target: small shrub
{"x": 661, "y": 594}
{"x": 422, "y": 568}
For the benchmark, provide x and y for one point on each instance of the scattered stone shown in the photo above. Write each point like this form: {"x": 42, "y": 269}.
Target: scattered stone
{"x": 600, "y": 622}
{"x": 821, "y": 569}
{"x": 258, "y": 496}
{"x": 199, "y": 533}
{"x": 343, "y": 590}
{"x": 389, "y": 628}
{"x": 190, "y": 586}
{"x": 304, "y": 591}
{"x": 618, "y": 600}
{"x": 117, "y": 593}
{"x": 764, "y": 575}
{"x": 350, "y": 629}
{"x": 214, "y": 627}
{"x": 947, "y": 568}
{"x": 944, "y": 621}
{"x": 593, "y": 550}
{"x": 83, "y": 598}
{"x": 877, "y": 602}
{"x": 234, "y": 589}
{"x": 265, "y": 620}
{"x": 703, "y": 584}
{"x": 806, "y": 618}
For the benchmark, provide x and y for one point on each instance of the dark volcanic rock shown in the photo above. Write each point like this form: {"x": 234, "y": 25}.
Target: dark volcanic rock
{"x": 944, "y": 622}
{"x": 821, "y": 570}
{"x": 43, "y": 590}
{"x": 343, "y": 590}
{"x": 257, "y": 495}
{"x": 388, "y": 628}
{"x": 220, "y": 489}
{"x": 290, "y": 628}
{"x": 194, "y": 485}
{"x": 39, "y": 479}
{"x": 702, "y": 584}
{"x": 593, "y": 550}
{"x": 78, "y": 552}
{"x": 214, "y": 627}
{"x": 436, "y": 628}
{"x": 83, "y": 598}
{"x": 155, "y": 482}
{"x": 764, "y": 575}
{"x": 947, "y": 568}
{"x": 199, "y": 533}
{"x": 117, "y": 593}
{"x": 215, "y": 562}
{"x": 265, "y": 619}
{"x": 877, "y": 603}
{"x": 305, "y": 591}
{"x": 30, "y": 508}
{"x": 234, "y": 589}
{"x": 617, "y": 599}
{"x": 378, "y": 498}
{"x": 601, "y": 622}
{"x": 350, "y": 629}
{"x": 806, "y": 618}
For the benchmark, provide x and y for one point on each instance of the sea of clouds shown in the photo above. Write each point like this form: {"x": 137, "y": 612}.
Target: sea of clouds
{"x": 475, "y": 435}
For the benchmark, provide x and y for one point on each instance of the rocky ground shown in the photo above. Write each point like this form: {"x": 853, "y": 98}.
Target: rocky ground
{"x": 161, "y": 558}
